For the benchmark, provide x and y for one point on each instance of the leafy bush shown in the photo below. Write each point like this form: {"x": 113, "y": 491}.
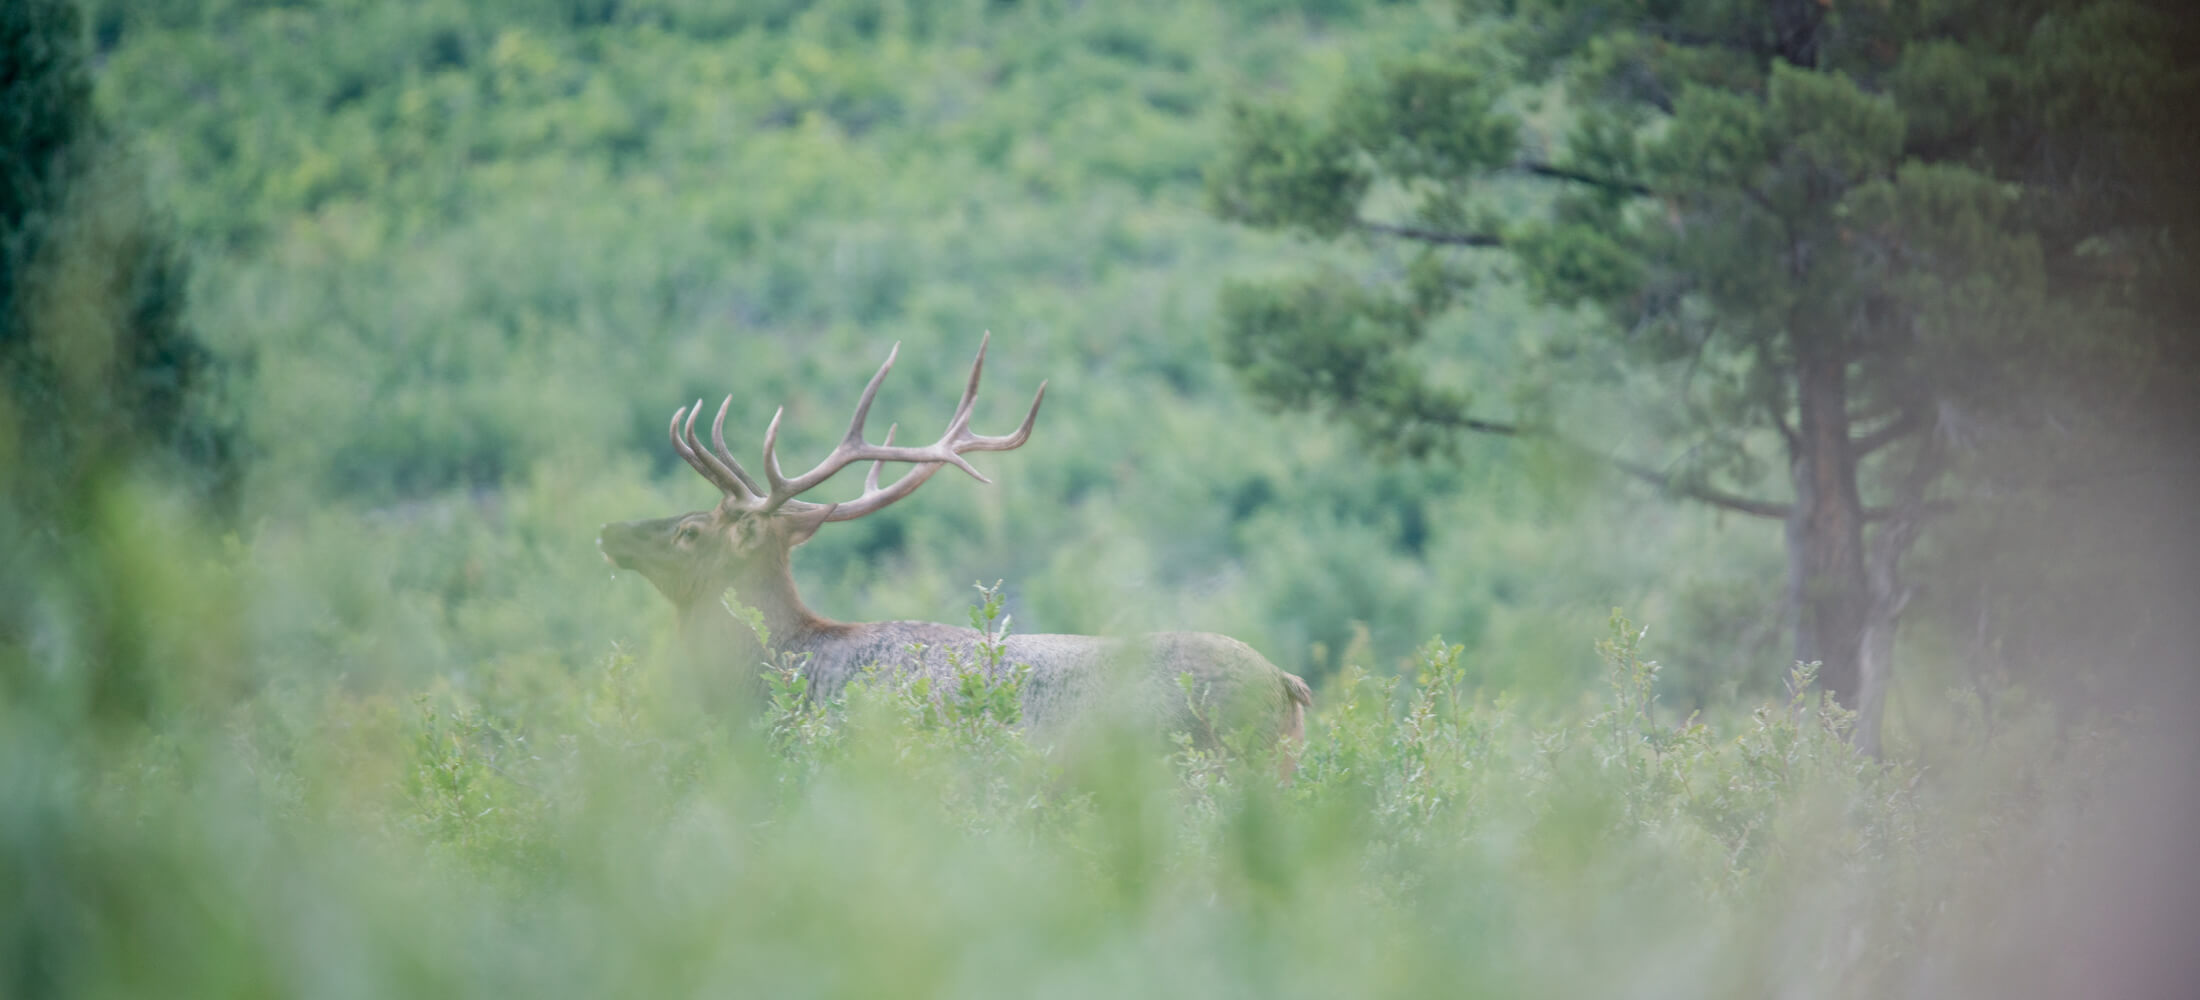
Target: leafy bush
{"x": 562, "y": 834}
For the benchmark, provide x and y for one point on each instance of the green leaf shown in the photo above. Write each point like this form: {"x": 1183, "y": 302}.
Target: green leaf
{"x": 1279, "y": 171}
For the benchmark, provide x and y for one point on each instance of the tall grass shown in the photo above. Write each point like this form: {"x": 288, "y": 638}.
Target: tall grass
{"x": 539, "y": 832}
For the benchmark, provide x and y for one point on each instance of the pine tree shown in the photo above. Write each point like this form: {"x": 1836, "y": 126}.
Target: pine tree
{"x": 97, "y": 365}
{"x": 1890, "y": 238}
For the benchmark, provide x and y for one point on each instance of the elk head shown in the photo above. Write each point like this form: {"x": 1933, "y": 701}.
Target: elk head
{"x": 744, "y": 541}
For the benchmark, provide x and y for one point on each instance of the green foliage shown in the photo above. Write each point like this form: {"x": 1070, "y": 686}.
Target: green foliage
{"x": 1574, "y": 263}
{"x": 563, "y": 834}
{"x": 1326, "y": 344}
{"x": 1278, "y": 171}
{"x": 466, "y": 258}
{"x": 464, "y": 795}
{"x": 48, "y": 97}
{"x": 105, "y": 433}
{"x": 1829, "y": 240}
{"x": 1430, "y": 118}
{"x": 1830, "y": 129}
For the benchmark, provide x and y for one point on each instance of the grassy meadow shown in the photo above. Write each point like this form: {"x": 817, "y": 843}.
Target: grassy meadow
{"x": 392, "y": 727}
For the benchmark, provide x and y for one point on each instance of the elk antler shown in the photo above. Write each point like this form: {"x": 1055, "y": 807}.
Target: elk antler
{"x": 717, "y": 463}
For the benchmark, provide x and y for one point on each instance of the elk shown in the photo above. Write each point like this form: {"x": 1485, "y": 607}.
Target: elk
{"x": 744, "y": 544}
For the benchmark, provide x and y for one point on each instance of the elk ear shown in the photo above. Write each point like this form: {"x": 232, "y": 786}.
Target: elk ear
{"x": 801, "y": 524}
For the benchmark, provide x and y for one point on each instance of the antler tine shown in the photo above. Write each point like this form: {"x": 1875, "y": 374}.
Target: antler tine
{"x": 870, "y": 392}
{"x": 874, "y": 499}
{"x": 683, "y": 441}
{"x": 928, "y": 459}
{"x": 870, "y": 480}
{"x": 725, "y": 454}
{"x": 687, "y": 454}
{"x": 851, "y": 447}
{"x": 970, "y": 392}
{"x": 772, "y": 475}
{"x": 680, "y": 447}
{"x": 1003, "y": 442}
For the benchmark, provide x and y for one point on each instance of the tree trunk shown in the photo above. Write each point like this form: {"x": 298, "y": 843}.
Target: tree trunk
{"x": 1875, "y": 650}
{"x": 1796, "y": 34}
{"x": 1828, "y": 593}
{"x": 1887, "y": 594}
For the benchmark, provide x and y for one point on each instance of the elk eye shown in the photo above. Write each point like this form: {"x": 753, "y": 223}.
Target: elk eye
{"x": 687, "y": 533}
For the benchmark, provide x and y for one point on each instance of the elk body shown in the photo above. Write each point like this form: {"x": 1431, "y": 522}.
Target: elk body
{"x": 744, "y": 543}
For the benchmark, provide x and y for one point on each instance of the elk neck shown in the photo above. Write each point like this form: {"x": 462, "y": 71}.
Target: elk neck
{"x": 767, "y": 585}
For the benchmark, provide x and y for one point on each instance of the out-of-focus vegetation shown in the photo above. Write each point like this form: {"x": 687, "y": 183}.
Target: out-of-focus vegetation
{"x": 474, "y": 254}
{"x": 599, "y": 835}
{"x": 387, "y": 725}
{"x": 101, "y": 376}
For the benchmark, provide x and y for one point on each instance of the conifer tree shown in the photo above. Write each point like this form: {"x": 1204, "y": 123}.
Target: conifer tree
{"x": 1878, "y": 240}
{"x": 97, "y": 364}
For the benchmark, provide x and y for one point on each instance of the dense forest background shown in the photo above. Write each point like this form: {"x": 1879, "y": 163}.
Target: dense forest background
{"x": 472, "y": 257}
{"x": 435, "y": 274}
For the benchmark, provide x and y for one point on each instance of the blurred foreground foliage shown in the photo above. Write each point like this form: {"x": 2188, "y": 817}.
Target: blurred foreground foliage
{"x": 577, "y": 836}
{"x": 102, "y": 379}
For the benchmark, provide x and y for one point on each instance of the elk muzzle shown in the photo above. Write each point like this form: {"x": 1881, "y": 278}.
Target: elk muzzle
{"x": 646, "y": 547}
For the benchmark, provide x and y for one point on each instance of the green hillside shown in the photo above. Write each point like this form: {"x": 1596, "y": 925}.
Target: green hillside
{"x": 476, "y": 254}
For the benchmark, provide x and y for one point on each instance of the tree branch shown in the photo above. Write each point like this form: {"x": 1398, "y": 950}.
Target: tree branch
{"x": 1480, "y": 426}
{"x": 1908, "y": 512}
{"x": 1436, "y": 236}
{"x": 1675, "y": 36}
{"x": 1894, "y": 430}
{"x": 1919, "y": 510}
{"x": 1699, "y": 492}
{"x": 1443, "y": 237}
{"x": 1788, "y": 433}
{"x": 1555, "y": 172}
{"x": 1776, "y": 400}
